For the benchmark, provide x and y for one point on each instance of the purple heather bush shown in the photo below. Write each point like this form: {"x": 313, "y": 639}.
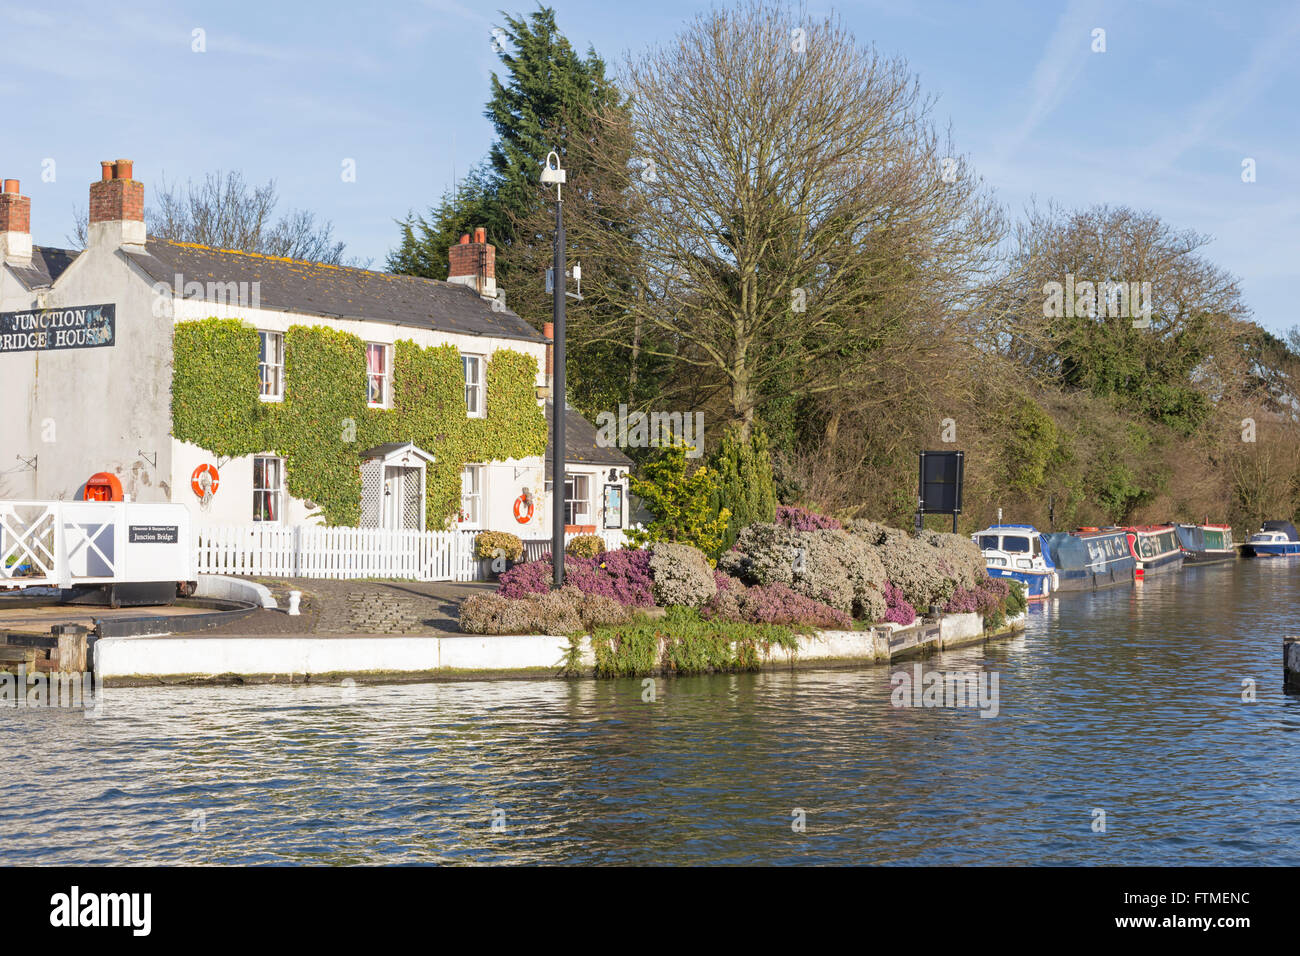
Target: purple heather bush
{"x": 772, "y": 604}
{"x": 986, "y": 597}
{"x": 801, "y": 519}
{"x": 622, "y": 575}
{"x": 899, "y": 610}
{"x": 725, "y": 582}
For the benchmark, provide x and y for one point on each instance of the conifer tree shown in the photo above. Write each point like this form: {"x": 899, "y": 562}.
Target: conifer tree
{"x": 544, "y": 80}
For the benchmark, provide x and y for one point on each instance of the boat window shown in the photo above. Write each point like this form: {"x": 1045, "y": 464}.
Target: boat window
{"x": 1015, "y": 545}
{"x": 988, "y": 542}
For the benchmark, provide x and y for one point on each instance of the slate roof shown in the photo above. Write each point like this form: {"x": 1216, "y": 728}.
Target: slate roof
{"x": 388, "y": 448}
{"x": 293, "y": 285}
{"x": 580, "y": 442}
{"x": 47, "y": 265}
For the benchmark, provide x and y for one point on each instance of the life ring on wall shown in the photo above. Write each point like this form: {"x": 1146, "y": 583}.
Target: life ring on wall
{"x": 197, "y": 480}
{"x": 523, "y": 510}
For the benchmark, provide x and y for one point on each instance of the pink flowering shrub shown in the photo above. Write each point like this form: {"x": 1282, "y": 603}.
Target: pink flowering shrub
{"x": 772, "y": 604}
{"x": 622, "y": 575}
{"x": 725, "y": 581}
{"x": 899, "y": 610}
{"x": 531, "y": 577}
{"x": 987, "y": 597}
{"x": 801, "y": 519}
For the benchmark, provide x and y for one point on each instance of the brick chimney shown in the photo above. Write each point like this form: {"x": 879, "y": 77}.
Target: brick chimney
{"x": 474, "y": 264}
{"x": 15, "y": 225}
{"x": 116, "y": 207}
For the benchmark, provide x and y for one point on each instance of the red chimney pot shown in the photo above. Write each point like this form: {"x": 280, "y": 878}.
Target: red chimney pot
{"x": 11, "y": 186}
{"x": 464, "y": 240}
{"x": 106, "y": 170}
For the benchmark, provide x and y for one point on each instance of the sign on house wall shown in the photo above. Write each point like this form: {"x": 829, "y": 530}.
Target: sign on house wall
{"x": 78, "y": 327}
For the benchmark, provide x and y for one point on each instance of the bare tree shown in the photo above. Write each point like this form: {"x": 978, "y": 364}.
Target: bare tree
{"x": 791, "y": 208}
{"x": 224, "y": 212}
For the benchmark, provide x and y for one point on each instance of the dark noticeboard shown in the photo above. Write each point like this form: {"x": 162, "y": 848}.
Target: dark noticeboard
{"x": 53, "y": 330}
{"x": 940, "y": 482}
{"x": 153, "y": 534}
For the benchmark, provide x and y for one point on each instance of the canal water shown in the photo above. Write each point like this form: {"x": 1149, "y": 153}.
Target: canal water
{"x": 1121, "y": 737}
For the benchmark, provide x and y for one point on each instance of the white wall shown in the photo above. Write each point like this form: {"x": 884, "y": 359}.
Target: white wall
{"x": 108, "y": 405}
{"x": 82, "y": 411}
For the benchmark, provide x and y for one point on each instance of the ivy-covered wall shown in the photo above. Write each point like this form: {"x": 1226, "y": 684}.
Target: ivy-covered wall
{"x": 324, "y": 421}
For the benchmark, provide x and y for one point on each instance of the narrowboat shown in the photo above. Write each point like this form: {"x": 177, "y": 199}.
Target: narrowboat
{"x": 1046, "y": 563}
{"x": 1206, "y": 543}
{"x": 1155, "y": 547}
{"x": 1277, "y": 539}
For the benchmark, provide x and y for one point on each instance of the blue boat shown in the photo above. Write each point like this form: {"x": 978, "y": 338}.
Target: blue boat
{"x": 1049, "y": 562}
{"x": 1277, "y": 539}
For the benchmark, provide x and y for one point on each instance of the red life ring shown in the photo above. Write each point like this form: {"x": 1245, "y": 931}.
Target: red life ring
{"x": 523, "y": 510}
{"x": 196, "y": 482}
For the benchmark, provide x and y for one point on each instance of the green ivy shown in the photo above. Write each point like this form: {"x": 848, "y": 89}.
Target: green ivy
{"x": 215, "y": 387}
{"x": 324, "y": 420}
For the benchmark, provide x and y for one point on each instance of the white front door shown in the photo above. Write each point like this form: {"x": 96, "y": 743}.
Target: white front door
{"x": 399, "y": 499}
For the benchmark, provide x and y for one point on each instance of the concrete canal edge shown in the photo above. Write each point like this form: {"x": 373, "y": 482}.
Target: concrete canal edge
{"x": 162, "y": 660}
{"x": 1291, "y": 664}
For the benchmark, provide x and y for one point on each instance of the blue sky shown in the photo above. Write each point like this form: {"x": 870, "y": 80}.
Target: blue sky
{"x": 1162, "y": 120}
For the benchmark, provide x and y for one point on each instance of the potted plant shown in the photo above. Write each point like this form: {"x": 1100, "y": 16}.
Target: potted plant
{"x": 498, "y": 552}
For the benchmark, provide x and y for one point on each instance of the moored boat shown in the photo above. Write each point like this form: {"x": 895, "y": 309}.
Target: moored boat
{"x": 1046, "y": 563}
{"x": 1276, "y": 539}
{"x": 1155, "y": 547}
{"x": 1206, "y": 543}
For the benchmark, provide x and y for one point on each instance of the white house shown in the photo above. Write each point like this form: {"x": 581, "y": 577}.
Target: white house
{"x": 86, "y": 362}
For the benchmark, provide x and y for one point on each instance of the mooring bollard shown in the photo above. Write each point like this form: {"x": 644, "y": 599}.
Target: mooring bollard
{"x": 72, "y": 647}
{"x": 1291, "y": 663}
{"x": 294, "y": 598}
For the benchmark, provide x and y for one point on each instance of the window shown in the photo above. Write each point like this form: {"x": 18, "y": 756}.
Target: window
{"x": 577, "y": 499}
{"x": 1015, "y": 545}
{"x": 379, "y": 375}
{"x": 471, "y": 496}
{"x": 268, "y": 482}
{"x": 270, "y": 365}
{"x": 474, "y": 403}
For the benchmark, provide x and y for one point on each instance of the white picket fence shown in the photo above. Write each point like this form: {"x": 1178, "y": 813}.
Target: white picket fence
{"x": 317, "y": 552}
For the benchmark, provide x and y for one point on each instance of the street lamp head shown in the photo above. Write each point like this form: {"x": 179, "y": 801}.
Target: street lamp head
{"x": 551, "y": 171}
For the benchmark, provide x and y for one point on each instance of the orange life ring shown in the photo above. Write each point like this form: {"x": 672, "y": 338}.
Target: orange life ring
{"x": 196, "y": 479}
{"x": 523, "y": 510}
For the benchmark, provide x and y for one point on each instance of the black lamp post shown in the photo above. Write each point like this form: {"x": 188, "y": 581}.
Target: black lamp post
{"x": 552, "y": 173}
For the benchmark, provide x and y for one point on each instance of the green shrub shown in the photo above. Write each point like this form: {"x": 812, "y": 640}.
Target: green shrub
{"x": 585, "y": 546}
{"x": 684, "y": 643}
{"x": 682, "y": 575}
{"x": 493, "y": 544}
{"x": 745, "y": 487}
{"x": 678, "y": 496}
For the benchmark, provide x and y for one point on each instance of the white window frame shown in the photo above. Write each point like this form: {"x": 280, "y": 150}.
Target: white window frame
{"x": 476, "y": 389}
{"x": 385, "y": 378}
{"x": 274, "y": 365}
{"x": 472, "y": 516}
{"x": 275, "y": 493}
{"x": 571, "y": 499}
